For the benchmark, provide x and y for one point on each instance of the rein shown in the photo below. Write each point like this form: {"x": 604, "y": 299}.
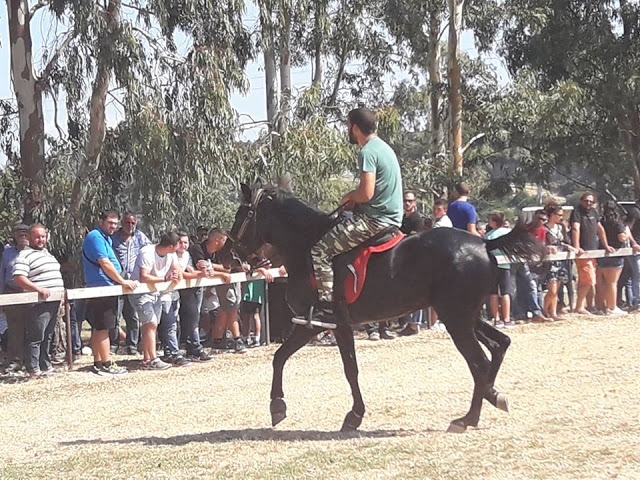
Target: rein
{"x": 334, "y": 216}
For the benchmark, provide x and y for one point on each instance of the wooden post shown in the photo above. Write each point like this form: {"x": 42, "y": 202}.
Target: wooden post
{"x": 267, "y": 322}
{"x": 67, "y": 318}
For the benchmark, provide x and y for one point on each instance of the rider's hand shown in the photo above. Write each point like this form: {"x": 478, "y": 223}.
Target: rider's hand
{"x": 347, "y": 203}
{"x": 610, "y": 249}
{"x": 636, "y": 248}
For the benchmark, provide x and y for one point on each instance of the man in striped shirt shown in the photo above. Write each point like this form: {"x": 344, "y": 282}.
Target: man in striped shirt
{"x": 36, "y": 270}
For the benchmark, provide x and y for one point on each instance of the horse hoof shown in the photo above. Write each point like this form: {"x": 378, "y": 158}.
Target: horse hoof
{"x": 351, "y": 422}
{"x": 456, "y": 428}
{"x": 502, "y": 402}
{"x": 278, "y": 410}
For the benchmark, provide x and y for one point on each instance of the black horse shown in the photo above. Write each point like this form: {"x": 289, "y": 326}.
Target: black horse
{"x": 447, "y": 269}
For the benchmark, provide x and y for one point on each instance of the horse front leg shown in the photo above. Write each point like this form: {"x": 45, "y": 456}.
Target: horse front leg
{"x": 346, "y": 344}
{"x": 299, "y": 337}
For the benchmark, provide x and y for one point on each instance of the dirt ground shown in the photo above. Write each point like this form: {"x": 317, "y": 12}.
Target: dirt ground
{"x": 574, "y": 388}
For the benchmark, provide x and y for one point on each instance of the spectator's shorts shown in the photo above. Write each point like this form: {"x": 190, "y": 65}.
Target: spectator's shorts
{"x": 148, "y": 307}
{"x": 250, "y": 308}
{"x": 229, "y": 296}
{"x": 611, "y": 262}
{"x": 103, "y": 312}
{"x": 586, "y": 272}
{"x": 502, "y": 286}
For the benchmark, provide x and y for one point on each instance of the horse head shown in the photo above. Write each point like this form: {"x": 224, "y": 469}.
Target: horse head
{"x": 250, "y": 227}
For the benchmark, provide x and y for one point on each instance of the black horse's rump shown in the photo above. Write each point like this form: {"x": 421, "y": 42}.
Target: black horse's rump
{"x": 447, "y": 269}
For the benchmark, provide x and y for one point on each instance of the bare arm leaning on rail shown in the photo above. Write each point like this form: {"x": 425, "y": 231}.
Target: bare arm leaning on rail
{"x": 27, "y": 285}
{"x": 112, "y": 273}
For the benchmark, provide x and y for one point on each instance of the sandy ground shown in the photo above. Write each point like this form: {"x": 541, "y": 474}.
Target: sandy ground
{"x": 574, "y": 389}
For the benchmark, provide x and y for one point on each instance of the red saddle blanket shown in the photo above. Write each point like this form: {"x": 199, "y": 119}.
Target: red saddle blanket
{"x": 358, "y": 269}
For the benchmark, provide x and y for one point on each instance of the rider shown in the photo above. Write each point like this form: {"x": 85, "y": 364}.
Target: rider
{"x": 378, "y": 196}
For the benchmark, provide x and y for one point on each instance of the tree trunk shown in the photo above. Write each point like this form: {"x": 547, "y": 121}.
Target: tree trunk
{"x": 629, "y": 126}
{"x": 29, "y": 96}
{"x": 336, "y": 84}
{"x": 97, "y": 126}
{"x": 455, "y": 93}
{"x": 285, "y": 69}
{"x": 269, "y": 55}
{"x": 435, "y": 84}
{"x": 320, "y": 12}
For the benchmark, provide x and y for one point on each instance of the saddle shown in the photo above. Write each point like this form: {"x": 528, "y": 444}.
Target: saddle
{"x": 356, "y": 260}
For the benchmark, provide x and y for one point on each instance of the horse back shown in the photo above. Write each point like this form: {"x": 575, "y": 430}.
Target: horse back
{"x": 445, "y": 268}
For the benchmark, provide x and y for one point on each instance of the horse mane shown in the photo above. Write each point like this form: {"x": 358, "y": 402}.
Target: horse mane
{"x": 305, "y": 219}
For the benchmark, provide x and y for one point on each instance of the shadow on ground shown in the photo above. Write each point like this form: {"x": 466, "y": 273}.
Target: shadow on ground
{"x": 255, "y": 434}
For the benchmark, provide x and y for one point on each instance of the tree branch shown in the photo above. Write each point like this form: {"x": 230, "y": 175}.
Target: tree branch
{"x": 55, "y": 114}
{"x": 44, "y": 76}
{"x": 38, "y": 6}
{"x": 470, "y": 142}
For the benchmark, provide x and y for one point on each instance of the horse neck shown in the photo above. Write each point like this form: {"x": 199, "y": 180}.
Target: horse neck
{"x": 296, "y": 227}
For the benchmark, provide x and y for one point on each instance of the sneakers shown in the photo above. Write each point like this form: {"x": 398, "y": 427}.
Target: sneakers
{"x": 408, "y": 330}
{"x": 177, "y": 361}
{"x": 374, "y": 336}
{"x": 131, "y": 350}
{"x": 499, "y": 324}
{"x": 155, "y": 364}
{"x": 200, "y": 357}
{"x": 220, "y": 345}
{"x": 327, "y": 340}
{"x": 239, "y": 346}
{"x": 438, "y": 327}
{"x": 386, "y": 334}
{"x": 616, "y": 311}
{"x": 114, "y": 369}
{"x": 509, "y": 324}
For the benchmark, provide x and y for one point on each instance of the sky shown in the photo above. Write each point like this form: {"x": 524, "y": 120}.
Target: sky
{"x": 250, "y": 106}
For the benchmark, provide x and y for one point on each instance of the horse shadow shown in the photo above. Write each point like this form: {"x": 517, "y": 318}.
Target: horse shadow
{"x": 254, "y": 435}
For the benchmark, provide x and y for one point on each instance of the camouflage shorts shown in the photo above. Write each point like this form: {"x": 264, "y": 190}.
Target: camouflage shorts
{"x": 343, "y": 237}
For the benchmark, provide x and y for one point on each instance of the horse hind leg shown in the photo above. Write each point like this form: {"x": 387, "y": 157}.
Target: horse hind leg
{"x": 298, "y": 339}
{"x": 467, "y": 344}
{"x": 497, "y": 343}
{"x": 346, "y": 344}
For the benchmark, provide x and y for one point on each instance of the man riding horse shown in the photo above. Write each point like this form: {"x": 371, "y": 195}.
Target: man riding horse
{"x": 378, "y": 199}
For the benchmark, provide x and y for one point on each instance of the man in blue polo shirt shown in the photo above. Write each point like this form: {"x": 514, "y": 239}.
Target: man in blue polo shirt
{"x": 102, "y": 268}
{"x": 461, "y": 213}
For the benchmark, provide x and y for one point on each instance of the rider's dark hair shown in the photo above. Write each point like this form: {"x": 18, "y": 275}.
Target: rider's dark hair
{"x": 440, "y": 201}
{"x": 364, "y": 118}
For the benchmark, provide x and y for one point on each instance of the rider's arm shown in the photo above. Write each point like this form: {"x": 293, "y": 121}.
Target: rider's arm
{"x": 365, "y": 190}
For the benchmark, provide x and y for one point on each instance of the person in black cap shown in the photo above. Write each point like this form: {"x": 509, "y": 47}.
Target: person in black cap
{"x": 14, "y": 313}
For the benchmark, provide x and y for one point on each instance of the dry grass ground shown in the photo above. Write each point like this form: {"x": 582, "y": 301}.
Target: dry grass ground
{"x": 574, "y": 389}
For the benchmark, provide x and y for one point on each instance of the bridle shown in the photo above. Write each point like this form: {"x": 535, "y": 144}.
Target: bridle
{"x": 248, "y": 219}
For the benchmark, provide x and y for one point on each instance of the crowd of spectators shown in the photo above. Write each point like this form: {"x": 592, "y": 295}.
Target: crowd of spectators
{"x": 116, "y": 252}
{"x": 226, "y": 318}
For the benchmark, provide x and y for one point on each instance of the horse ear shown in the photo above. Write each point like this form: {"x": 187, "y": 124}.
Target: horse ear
{"x": 246, "y": 192}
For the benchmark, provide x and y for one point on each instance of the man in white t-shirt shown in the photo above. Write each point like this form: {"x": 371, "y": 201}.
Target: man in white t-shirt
{"x": 155, "y": 264}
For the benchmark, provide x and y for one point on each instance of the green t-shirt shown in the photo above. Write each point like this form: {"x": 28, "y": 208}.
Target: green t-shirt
{"x": 254, "y": 292}
{"x": 386, "y": 204}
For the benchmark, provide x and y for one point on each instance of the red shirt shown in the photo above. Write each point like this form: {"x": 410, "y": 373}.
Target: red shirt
{"x": 541, "y": 234}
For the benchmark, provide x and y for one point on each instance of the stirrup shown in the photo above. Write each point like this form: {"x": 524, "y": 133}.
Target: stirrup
{"x": 309, "y": 322}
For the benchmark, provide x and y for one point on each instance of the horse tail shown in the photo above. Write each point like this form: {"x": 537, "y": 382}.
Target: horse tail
{"x": 518, "y": 246}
